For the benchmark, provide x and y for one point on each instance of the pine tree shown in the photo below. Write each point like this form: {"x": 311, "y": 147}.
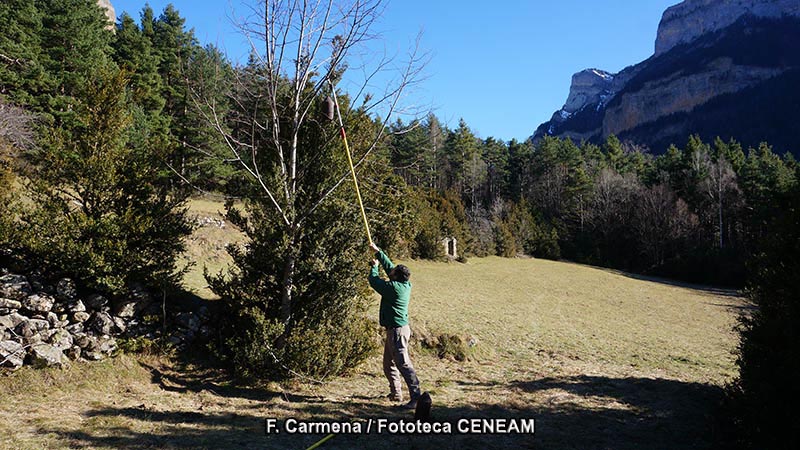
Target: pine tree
{"x": 19, "y": 50}
{"x": 74, "y": 44}
{"x": 100, "y": 211}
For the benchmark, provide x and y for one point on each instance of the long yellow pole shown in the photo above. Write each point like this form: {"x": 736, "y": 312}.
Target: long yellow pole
{"x": 325, "y": 439}
{"x": 350, "y": 161}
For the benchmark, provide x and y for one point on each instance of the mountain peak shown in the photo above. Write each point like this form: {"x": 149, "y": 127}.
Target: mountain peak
{"x": 690, "y": 19}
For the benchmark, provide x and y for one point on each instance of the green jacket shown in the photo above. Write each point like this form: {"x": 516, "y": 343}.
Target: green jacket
{"x": 395, "y": 295}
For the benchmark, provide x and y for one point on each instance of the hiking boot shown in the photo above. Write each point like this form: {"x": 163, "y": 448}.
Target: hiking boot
{"x": 412, "y": 404}
{"x": 394, "y": 397}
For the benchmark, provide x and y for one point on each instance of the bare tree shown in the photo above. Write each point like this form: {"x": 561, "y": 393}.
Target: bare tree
{"x": 718, "y": 185}
{"x": 302, "y": 48}
{"x": 15, "y": 125}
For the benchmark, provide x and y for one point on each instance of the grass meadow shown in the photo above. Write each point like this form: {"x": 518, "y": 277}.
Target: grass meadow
{"x": 600, "y": 359}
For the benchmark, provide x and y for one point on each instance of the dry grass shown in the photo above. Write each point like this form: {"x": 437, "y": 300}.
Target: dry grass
{"x": 205, "y": 248}
{"x": 600, "y": 359}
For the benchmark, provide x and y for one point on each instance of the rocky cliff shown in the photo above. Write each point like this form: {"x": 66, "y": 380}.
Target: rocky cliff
{"x": 109, "y": 9}
{"x": 691, "y": 19}
{"x": 705, "y": 50}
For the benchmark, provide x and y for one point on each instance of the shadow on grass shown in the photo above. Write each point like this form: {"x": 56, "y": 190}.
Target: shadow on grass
{"x": 711, "y": 290}
{"x": 583, "y": 412}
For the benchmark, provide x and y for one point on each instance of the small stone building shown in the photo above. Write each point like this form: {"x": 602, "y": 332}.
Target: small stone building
{"x": 450, "y": 247}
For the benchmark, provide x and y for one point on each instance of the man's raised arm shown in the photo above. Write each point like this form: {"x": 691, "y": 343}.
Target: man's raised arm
{"x": 386, "y": 263}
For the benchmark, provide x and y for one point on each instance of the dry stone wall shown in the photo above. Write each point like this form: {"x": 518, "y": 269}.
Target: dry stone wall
{"x": 47, "y": 325}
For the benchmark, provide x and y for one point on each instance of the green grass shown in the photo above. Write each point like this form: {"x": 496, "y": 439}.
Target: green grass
{"x": 600, "y": 359}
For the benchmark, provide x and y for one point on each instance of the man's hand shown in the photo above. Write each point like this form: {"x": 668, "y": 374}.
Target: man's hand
{"x": 374, "y": 263}
{"x": 374, "y": 247}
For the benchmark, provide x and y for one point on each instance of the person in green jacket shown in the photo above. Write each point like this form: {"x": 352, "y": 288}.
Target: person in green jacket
{"x": 395, "y": 295}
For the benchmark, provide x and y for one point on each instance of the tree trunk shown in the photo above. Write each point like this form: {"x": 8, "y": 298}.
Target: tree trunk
{"x": 287, "y": 284}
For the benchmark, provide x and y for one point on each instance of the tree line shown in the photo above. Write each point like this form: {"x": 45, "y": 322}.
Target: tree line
{"x": 695, "y": 212}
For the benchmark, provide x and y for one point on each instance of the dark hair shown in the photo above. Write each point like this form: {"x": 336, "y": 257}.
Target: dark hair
{"x": 401, "y": 273}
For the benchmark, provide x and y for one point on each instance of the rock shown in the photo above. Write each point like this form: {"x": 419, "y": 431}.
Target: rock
{"x": 106, "y": 345}
{"x": 10, "y": 304}
{"x": 92, "y": 355}
{"x": 119, "y": 324}
{"x": 111, "y": 15}
{"x": 11, "y": 321}
{"x": 84, "y": 341}
{"x": 12, "y": 354}
{"x": 188, "y": 320}
{"x": 39, "y": 303}
{"x": 76, "y": 306}
{"x": 690, "y": 19}
{"x": 136, "y": 302}
{"x": 61, "y": 339}
{"x": 673, "y": 95}
{"x": 95, "y": 302}
{"x": 73, "y": 352}
{"x": 101, "y": 323}
{"x": 55, "y": 322}
{"x": 45, "y": 355}
{"x": 81, "y": 316}
{"x": 66, "y": 290}
{"x": 15, "y": 287}
{"x": 33, "y": 339}
{"x": 32, "y": 326}
{"x": 75, "y": 328}
{"x": 95, "y": 349}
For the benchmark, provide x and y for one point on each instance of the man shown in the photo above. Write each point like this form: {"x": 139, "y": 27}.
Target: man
{"x": 395, "y": 295}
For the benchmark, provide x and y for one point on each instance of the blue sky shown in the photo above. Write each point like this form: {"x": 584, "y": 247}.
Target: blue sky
{"x": 504, "y": 65}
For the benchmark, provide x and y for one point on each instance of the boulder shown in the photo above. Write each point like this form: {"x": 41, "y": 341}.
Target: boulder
{"x": 81, "y": 316}
{"x": 55, "y": 322}
{"x": 119, "y": 324}
{"x": 84, "y": 341}
{"x": 98, "y": 348}
{"x": 15, "y": 287}
{"x": 66, "y": 290}
{"x": 10, "y": 304}
{"x": 11, "y": 321}
{"x": 12, "y": 354}
{"x": 33, "y": 339}
{"x": 106, "y": 345}
{"x": 61, "y": 339}
{"x": 45, "y": 355}
{"x": 95, "y": 302}
{"x": 75, "y": 328}
{"x": 73, "y": 352}
{"x": 41, "y": 303}
{"x": 32, "y": 326}
{"x": 92, "y": 355}
{"x": 137, "y": 301}
{"x": 76, "y": 306}
{"x": 101, "y": 323}
{"x": 188, "y": 320}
